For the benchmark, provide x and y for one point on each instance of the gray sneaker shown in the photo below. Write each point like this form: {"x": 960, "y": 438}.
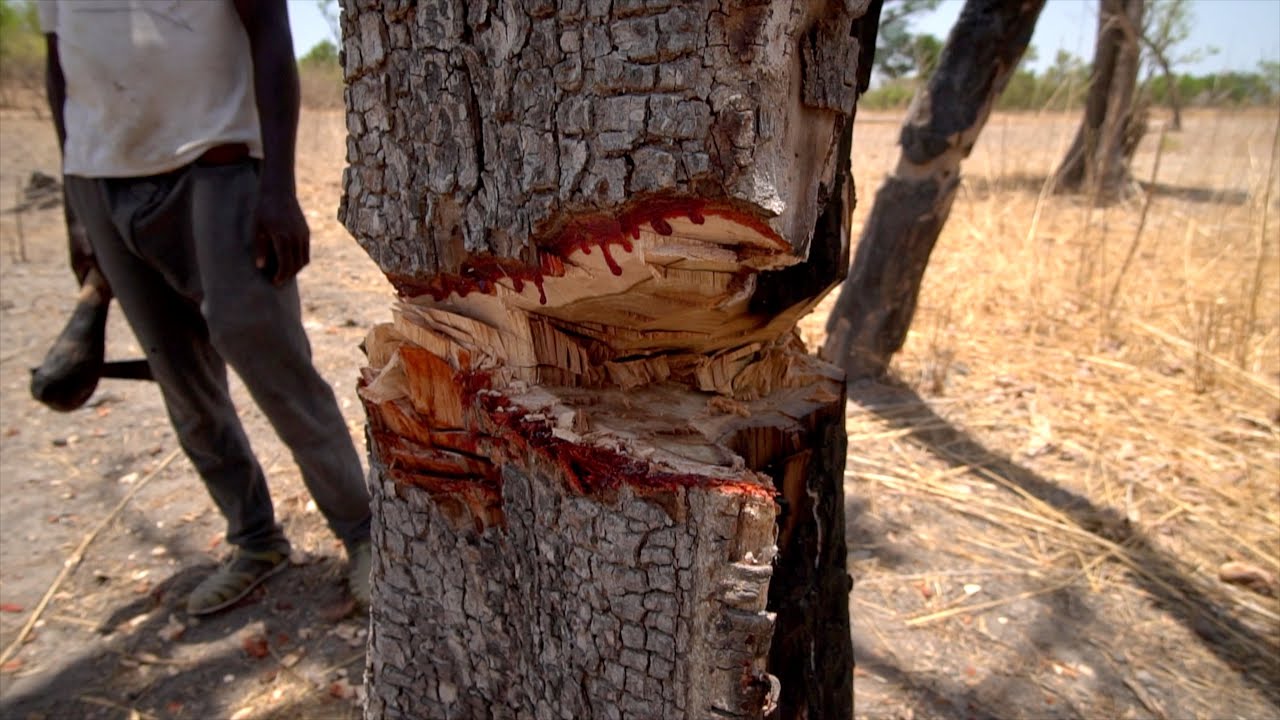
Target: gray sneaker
{"x": 243, "y": 571}
{"x": 359, "y": 563}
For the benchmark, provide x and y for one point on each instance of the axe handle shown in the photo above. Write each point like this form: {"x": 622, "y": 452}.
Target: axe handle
{"x": 127, "y": 370}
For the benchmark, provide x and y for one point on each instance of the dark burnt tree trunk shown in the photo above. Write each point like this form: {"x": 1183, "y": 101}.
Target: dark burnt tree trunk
{"x": 1098, "y": 160}
{"x": 873, "y": 312}
{"x": 606, "y": 476}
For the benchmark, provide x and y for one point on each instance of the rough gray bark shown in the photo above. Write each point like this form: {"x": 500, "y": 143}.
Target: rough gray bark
{"x": 1098, "y": 160}
{"x": 522, "y": 570}
{"x": 576, "y": 608}
{"x": 607, "y": 478}
{"x": 478, "y": 127}
{"x": 877, "y": 301}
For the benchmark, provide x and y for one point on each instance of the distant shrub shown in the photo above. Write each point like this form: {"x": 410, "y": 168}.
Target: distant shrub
{"x": 21, "y": 51}
{"x": 320, "y": 75}
{"x": 322, "y": 54}
{"x": 890, "y": 95}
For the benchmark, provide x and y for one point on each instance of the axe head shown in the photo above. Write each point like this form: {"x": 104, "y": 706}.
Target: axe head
{"x": 71, "y": 369}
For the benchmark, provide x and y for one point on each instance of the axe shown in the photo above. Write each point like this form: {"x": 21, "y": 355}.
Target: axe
{"x": 72, "y": 368}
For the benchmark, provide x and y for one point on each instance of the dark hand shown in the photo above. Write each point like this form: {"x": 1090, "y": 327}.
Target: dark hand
{"x": 281, "y": 240}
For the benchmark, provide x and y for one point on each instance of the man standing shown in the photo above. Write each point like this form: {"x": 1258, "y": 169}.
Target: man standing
{"x": 178, "y": 122}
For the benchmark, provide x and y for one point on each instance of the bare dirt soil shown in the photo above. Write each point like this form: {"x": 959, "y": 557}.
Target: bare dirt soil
{"x": 115, "y": 638}
{"x": 1041, "y": 500}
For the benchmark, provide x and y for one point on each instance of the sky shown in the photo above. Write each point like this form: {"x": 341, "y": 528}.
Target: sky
{"x": 1244, "y": 32}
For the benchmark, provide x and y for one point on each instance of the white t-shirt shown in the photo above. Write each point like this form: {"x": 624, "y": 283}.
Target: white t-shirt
{"x": 151, "y": 84}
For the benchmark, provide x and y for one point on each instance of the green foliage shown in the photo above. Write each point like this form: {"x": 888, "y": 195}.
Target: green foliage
{"x": 1270, "y": 72}
{"x": 1024, "y": 91}
{"x": 1063, "y": 86}
{"x": 925, "y": 51}
{"x": 20, "y": 36}
{"x": 889, "y": 95}
{"x": 897, "y": 53}
{"x": 1166, "y": 25}
{"x": 905, "y": 60}
{"x": 323, "y": 54}
{"x": 21, "y": 49}
{"x": 321, "y": 76}
{"x": 1217, "y": 90}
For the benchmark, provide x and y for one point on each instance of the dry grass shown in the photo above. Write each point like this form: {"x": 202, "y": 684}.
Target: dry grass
{"x": 1037, "y": 520}
{"x": 320, "y": 86}
{"x": 1087, "y": 451}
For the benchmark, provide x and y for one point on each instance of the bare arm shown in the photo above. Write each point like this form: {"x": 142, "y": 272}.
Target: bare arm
{"x": 55, "y": 87}
{"x": 282, "y": 240}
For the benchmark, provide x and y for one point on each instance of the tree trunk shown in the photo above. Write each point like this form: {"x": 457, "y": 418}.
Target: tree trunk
{"x": 606, "y": 476}
{"x": 873, "y": 312}
{"x": 1175, "y": 95}
{"x": 1098, "y": 159}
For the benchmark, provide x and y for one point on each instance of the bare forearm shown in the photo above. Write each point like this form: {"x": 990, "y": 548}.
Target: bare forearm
{"x": 275, "y": 81}
{"x": 55, "y": 86}
{"x": 282, "y": 240}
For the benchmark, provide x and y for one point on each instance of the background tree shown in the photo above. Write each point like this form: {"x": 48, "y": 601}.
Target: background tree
{"x": 331, "y": 11}
{"x": 1270, "y": 72}
{"x": 1113, "y": 123}
{"x": 925, "y": 51}
{"x": 1167, "y": 25}
{"x": 322, "y": 54}
{"x": 1066, "y": 79}
{"x": 877, "y": 301}
{"x": 898, "y": 52}
{"x": 320, "y": 75}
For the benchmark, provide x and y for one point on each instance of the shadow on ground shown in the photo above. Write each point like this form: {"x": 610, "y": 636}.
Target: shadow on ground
{"x": 291, "y": 650}
{"x": 1066, "y": 618}
{"x": 1037, "y": 183}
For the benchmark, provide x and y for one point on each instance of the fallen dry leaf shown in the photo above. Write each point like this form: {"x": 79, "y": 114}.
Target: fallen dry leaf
{"x": 1249, "y": 576}
{"x": 342, "y": 690}
{"x": 255, "y": 646}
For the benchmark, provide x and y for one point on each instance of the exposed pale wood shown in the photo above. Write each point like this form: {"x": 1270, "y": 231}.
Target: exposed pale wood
{"x": 469, "y": 486}
{"x": 432, "y": 391}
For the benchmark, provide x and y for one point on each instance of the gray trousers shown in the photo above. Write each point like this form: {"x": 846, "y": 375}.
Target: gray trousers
{"x": 177, "y": 250}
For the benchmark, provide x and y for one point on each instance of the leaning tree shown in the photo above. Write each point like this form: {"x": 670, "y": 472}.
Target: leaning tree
{"x": 873, "y": 313}
{"x": 606, "y": 475}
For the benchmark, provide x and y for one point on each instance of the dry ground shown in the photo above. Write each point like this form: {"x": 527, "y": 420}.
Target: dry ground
{"x": 1039, "y": 503}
